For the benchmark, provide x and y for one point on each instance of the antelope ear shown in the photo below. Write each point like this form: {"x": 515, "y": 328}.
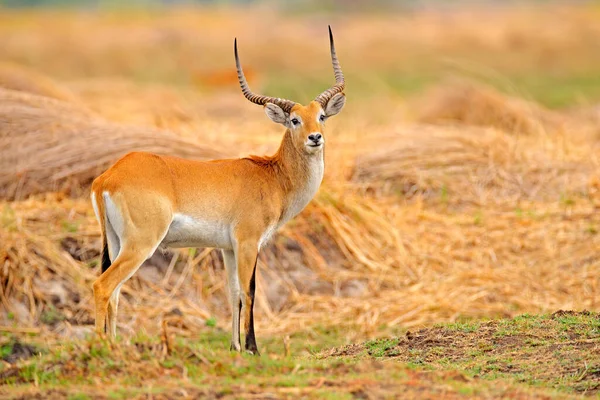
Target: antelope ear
{"x": 276, "y": 114}
{"x": 335, "y": 104}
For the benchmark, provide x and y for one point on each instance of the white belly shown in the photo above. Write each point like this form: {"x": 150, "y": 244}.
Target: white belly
{"x": 186, "y": 231}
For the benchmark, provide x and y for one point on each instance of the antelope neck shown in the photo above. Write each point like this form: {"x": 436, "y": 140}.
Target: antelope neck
{"x": 299, "y": 174}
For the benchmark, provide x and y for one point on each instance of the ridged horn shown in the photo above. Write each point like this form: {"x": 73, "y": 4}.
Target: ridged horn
{"x": 286, "y": 105}
{"x": 340, "y": 84}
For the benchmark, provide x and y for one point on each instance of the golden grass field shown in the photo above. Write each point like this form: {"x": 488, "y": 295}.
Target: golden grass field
{"x": 462, "y": 178}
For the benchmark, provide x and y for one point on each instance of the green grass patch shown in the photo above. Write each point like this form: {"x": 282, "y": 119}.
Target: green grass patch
{"x": 549, "y": 355}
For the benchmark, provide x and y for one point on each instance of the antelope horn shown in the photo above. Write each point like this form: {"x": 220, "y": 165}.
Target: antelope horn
{"x": 286, "y": 105}
{"x": 340, "y": 84}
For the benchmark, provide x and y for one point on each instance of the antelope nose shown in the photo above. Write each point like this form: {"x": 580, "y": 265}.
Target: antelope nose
{"x": 315, "y": 137}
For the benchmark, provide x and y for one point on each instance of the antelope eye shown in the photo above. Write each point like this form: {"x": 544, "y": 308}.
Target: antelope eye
{"x": 295, "y": 121}
{"x": 322, "y": 118}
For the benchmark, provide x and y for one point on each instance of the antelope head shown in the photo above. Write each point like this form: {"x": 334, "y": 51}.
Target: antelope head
{"x": 305, "y": 123}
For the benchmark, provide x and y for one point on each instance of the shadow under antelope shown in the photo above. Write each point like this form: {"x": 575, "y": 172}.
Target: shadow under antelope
{"x": 145, "y": 201}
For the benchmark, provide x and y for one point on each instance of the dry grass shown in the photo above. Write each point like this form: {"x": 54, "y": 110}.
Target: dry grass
{"x": 471, "y": 104}
{"x": 19, "y": 78}
{"x": 492, "y": 215}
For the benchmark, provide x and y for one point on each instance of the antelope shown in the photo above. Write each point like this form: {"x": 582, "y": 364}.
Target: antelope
{"x": 145, "y": 201}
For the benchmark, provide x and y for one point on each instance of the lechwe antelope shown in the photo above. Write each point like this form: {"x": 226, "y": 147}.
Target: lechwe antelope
{"x": 145, "y": 201}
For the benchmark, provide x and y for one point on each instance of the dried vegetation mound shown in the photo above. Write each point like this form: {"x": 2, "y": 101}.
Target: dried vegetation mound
{"x": 53, "y": 145}
{"x": 475, "y": 104}
{"x": 482, "y": 165}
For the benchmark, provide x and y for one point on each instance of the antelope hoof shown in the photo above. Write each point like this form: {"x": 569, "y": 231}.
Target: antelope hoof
{"x": 254, "y": 352}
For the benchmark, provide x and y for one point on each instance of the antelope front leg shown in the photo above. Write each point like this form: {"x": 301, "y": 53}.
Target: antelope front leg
{"x": 234, "y": 298}
{"x": 247, "y": 257}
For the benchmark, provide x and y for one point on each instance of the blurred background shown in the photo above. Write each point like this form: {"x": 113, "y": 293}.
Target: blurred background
{"x": 546, "y": 51}
{"x": 461, "y": 179}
